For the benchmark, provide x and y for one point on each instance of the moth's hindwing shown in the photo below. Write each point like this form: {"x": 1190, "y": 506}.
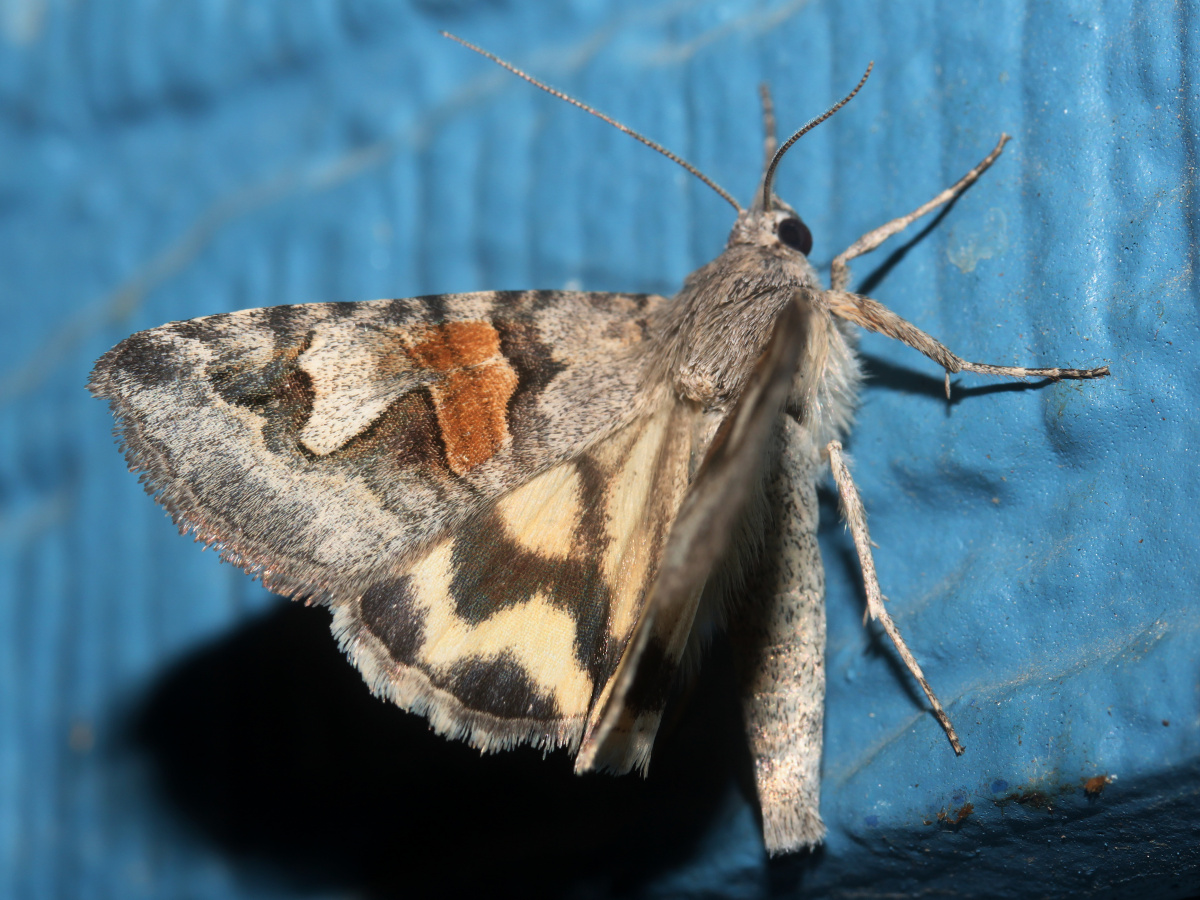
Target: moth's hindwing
{"x": 321, "y": 444}
{"x": 510, "y": 627}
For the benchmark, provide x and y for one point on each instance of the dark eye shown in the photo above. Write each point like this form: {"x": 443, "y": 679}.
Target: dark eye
{"x": 795, "y": 234}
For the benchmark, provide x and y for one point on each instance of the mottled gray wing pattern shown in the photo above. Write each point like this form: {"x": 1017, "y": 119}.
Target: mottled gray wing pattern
{"x": 318, "y": 445}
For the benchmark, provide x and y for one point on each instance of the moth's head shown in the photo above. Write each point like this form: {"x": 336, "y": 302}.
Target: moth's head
{"x": 778, "y": 228}
{"x": 769, "y": 222}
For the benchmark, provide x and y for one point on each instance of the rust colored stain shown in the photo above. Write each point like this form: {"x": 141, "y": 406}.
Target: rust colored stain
{"x": 957, "y": 816}
{"x": 471, "y": 399}
{"x": 1036, "y": 799}
{"x": 1095, "y": 785}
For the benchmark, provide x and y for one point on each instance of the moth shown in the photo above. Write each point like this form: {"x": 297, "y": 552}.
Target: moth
{"x": 527, "y": 510}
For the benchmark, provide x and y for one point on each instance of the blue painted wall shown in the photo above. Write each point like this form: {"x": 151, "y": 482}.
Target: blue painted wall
{"x": 168, "y": 729}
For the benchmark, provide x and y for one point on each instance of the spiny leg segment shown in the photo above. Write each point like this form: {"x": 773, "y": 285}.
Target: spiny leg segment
{"x": 874, "y": 316}
{"x": 840, "y": 271}
{"x": 856, "y": 517}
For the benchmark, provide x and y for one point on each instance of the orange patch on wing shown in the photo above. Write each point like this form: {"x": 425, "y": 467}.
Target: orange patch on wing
{"x": 457, "y": 344}
{"x": 472, "y": 411}
{"x": 471, "y": 399}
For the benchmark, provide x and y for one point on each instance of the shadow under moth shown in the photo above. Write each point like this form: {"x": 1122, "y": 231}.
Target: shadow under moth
{"x": 527, "y": 510}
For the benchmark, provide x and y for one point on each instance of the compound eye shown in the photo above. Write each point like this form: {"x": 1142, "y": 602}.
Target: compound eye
{"x": 795, "y": 234}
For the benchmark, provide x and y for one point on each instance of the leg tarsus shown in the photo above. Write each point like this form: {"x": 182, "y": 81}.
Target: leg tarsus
{"x": 840, "y": 271}
{"x": 874, "y": 316}
{"x": 856, "y": 518}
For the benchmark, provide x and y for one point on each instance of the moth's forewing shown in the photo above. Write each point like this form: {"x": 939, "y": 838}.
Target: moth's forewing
{"x": 323, "y": 445}
{"x": 508, "y": 629}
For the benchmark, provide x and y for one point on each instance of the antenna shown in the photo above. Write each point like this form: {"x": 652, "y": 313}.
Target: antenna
{"x": 725, "y": 195}
{"x": 766, "y": 186}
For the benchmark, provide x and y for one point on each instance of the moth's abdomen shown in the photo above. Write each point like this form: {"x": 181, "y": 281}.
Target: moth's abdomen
{"x": 778, "y": 633}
